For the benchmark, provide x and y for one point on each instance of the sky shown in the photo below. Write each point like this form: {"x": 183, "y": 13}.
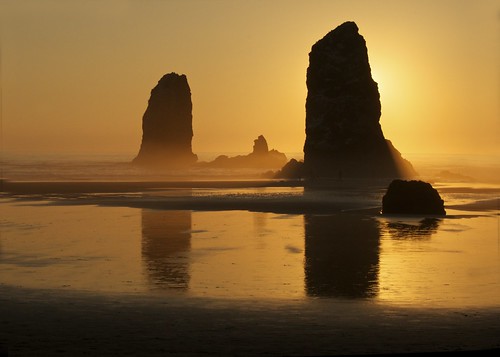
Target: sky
{"x": 76, "y": 75}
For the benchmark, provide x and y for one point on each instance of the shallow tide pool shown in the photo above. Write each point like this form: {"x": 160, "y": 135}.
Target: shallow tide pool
{"x": 449, "y": 262}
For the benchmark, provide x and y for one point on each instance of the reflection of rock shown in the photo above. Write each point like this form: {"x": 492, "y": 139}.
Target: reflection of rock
{"x": 424, "y": 229}
{"x": 167, "y": 124}
{"x": 341, "y": 256}
{"x": 343, "y": 133}
{"x": 412, "y": 197}
{"x": 261, "y": 157}
{"x": 166, "y": 243}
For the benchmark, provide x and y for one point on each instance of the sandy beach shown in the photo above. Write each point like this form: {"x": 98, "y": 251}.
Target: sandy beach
{"x": 242, "y": 274}
{"x": 47, "y": 323}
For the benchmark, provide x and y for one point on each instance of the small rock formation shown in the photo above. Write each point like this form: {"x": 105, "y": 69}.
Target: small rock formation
{"x": 260, "y": 158}
{"x": 292, "y": 170}
{"x": 260, "y": 146}
{"x": 343, "y": 134}
{"x": 412, "y": 197}
{"x": 167, "y": 128}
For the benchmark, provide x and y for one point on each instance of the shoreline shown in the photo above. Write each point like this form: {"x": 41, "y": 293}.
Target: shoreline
{"x": 277, "y": 196}
{"x": 112, "y": 186}
{"x": 40, "y": 187}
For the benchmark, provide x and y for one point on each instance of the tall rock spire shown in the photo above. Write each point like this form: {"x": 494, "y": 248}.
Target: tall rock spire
{"x": 167, "y": 128}
{"x": 343, "y": 133}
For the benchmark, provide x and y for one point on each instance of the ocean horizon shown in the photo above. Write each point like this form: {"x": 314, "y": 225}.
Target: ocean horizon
{"x": 17, "y": 166}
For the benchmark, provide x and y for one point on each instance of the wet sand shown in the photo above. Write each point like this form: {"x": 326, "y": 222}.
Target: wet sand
{"x": 42, "y": 187}
{"x": 47, "y": 323}
{"x": 321, "y": 196}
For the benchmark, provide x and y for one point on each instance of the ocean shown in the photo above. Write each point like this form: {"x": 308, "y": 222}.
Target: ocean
{"x": 117, "y": 167}
{"x": 108, "y": 167}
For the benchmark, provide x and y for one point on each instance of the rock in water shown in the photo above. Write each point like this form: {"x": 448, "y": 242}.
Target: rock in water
{"x": 260, "y": 158}
{"x": 412, "y": 197}
{"x": 167, "y": 128}
{"x": 343, "y": 134}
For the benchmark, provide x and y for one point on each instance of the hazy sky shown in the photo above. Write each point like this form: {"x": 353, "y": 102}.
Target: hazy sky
{"x": 76, "y": 75}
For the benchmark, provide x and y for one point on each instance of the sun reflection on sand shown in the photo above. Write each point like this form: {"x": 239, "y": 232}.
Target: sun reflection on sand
{"x": 446, "y": 263}
{"x": 237, "y": 254}
{"x": 73, "y": 247}
{"x": 245, "y": 254}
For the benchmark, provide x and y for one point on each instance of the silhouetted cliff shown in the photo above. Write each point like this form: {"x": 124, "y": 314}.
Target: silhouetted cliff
{"x": 343, "y": 133}
{"x": 167, "y": 128}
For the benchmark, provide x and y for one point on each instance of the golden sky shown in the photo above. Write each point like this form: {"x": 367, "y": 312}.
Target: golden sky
{"x": 76, "y": 75}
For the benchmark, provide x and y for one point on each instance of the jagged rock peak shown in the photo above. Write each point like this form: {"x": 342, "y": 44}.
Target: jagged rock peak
{"x": 260, "y": 146}
{"x": 167, "y": 124}
{"x": 343, "y": 133}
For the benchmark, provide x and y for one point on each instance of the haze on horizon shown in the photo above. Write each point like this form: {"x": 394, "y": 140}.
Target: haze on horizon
{"x": 76, "y": 75}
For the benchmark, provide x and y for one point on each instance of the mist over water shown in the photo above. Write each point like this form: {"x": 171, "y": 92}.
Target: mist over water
{"x": 118, "y": 167}
{"x": 109, "y": 167}
{"x": 457, "y": 167}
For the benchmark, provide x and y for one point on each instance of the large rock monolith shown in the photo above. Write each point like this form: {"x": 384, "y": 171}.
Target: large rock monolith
{"x": 343, "y": 134}
{"x": 167, "y": 128}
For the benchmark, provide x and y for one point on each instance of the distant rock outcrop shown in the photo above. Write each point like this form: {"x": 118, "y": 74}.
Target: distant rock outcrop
{"x": 292, "y": 170}
{"x": 260, "y": 158}
{"x": 167, "y": 128}
{"x": 343, "y": 133}
{"x": 412, "y": 197}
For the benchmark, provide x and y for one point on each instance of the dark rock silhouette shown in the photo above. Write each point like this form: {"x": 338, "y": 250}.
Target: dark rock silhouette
{"x": 260, "y": 158}
{"x": 293, "y": 169}
{"x": 412, "y": 197}
{"x": 343, "y": 133}
{"x": 260, "y": 146}
{"x": 167, "y": 128}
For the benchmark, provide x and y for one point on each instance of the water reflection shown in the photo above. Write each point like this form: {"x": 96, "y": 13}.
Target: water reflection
{"x": 405, "y": 230}
{"x": 239, "y": 253}
{"x": 341, "y": 255}
{"x": 259, "y": 222}
{"x": 166, "y": 243}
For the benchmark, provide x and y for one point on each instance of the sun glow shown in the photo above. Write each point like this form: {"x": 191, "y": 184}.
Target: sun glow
{"x": 86, "y": 74}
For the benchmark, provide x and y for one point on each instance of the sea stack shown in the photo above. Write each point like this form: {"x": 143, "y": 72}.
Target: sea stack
{"x": 167, "y": 128}
{"x": 343, "y": 134}
{"x": 260, "y": 158}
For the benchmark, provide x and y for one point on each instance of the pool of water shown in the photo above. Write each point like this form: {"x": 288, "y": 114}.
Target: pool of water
{"x": 237, "y": 254}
